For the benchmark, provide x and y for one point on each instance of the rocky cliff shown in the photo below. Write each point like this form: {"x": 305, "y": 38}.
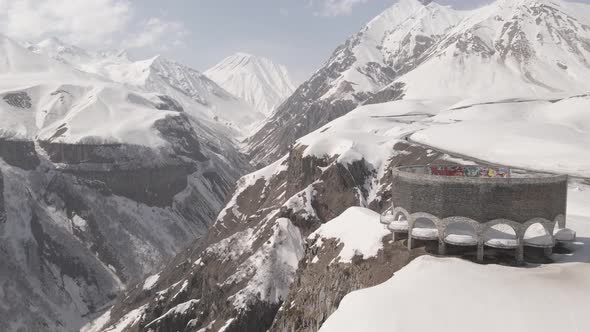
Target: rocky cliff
{"x": 80, "y": 221}
{"x": 239, "y": 275}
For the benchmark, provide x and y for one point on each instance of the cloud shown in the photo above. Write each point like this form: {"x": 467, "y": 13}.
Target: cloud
{"x": 332, "y": 8}
{"x": 91, "y": 23}
{"x": 158, "y": 33}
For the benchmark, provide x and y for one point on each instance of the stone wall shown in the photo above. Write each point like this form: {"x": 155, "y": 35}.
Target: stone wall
{"x": 481, "y": 199}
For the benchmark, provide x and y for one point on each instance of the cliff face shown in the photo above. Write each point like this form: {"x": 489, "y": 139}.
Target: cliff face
{"x": 80, "y": 222}
{"x": 19, "y": 153}
{"x": 320, "y": 284}
{"x": 240, "y": 274}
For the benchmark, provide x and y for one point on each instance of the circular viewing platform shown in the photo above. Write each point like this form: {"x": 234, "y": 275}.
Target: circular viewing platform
{"x": 497, "y": 207}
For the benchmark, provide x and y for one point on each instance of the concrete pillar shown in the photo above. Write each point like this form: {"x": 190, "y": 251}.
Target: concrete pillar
{"x": 548, "y": 252}
{"x": 394, "y": 237}
{"x": 410, "y": 239}
{"x": 442, "y": 247}
{"x": 520, "y": 254}
{"x": 480, "y": 252}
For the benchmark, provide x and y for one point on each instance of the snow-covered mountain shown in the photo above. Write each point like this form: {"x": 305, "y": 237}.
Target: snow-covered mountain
{"x": 263, "y": 84}
{"x": 273, "y": 260}
{"x": 100, "y": 183}
{"x": 202, "y": 97}
{"x": 417, "y": 49}
{"x": 508, "y": 48}
{"x": 386, "y": 48}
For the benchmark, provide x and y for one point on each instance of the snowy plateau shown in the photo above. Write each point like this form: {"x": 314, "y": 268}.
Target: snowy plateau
{"x": 147, "y": 196}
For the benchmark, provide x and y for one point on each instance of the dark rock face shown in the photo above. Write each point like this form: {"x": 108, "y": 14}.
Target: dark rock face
{"x": 151, "y": 186}
{"x": 154, "y": 185}
{"x": 91, "y": 218}
{"x": 169, "y": 104}
{"x": 178, "y": 131}
{"x": 18, "y": 99}
{"x": 320, "y": 286}
{"x": 394, "y": 91}
{"x": 19, "y": 153}
{"x": 306, "y": 111}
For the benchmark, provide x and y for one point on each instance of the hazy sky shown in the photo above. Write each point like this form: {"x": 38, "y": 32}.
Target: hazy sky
{"x": 298, "y": 33}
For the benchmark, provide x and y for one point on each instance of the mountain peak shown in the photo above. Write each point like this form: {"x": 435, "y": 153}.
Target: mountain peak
{"x": 257, "y": 80}
{"x": 243, "y": 55}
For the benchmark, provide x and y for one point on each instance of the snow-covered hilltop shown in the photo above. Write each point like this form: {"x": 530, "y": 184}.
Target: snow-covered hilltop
{"x": 263, "y": 84}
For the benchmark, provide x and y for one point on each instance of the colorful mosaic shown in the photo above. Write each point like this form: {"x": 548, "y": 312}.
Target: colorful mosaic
{"x": 470, "y": 171}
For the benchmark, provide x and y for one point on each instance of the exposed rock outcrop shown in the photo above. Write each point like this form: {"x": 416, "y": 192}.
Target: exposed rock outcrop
{"x": 19, "y": 153}
{"x": 320, "y": 284}
{"x": 239, "y": 274}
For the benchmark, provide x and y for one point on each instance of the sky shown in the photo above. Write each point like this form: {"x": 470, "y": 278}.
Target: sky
{"x": 300, "y": 34}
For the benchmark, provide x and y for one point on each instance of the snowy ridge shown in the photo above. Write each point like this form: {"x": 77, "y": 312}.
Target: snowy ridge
{"x": 52, "y": 101}
{"x": 389, "y": 46}
{"x": 509, "y": 48}
{"x": 202, "y": 98}
{"x": 257, "y": 80}
{"x": 395, "y": 39}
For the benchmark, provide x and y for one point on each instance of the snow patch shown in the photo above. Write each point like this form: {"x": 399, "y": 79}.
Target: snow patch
{"x": 358, "y": 229}
{"x": 151, "y": 281}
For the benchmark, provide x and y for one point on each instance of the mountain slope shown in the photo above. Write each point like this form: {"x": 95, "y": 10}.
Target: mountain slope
{"x": 389, "y": 46}
{"x": 236, "y": 278}
{"x": 203, "y": 99}
{"x": 260, "y": 82}
{"x": 100, "y": 183}
{"x": 509, "y": 48}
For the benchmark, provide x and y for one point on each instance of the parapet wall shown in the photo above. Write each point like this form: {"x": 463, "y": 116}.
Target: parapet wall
{"x": 480, "y": 198}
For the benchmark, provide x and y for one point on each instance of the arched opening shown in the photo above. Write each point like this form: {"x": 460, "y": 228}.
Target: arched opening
{"x": 400, "y": 216}
{"x": 387, "y": 216}
{"x": 425, "y": 229}
{"x": 561, "y": 233}
{"x": 501, "y": 236}
{"x": 536, "y": 235}
{"x": 460, "y": 234}
{"x": 400, "y": 221}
